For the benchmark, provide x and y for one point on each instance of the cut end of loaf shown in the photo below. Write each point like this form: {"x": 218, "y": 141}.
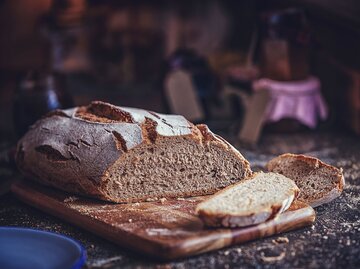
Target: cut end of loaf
{"x": 319, "y": 182}
{"x": 176, "y": 168}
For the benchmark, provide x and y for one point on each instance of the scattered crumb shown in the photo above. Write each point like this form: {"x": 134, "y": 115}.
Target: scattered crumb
{"x": 281, "y": 240}
{"x": 105, "y": 263}
{"x": 226, "y": 252}
{"x": 325, "y": 237}
{"x": 272, "y": 258}
{"x": 136, "y": 204}
{"x": 180, "y": 199}
{"x": 238, "y": 250}
{"x": 163, "y": 266}
{"x": 162, "y": 200}
{"x": 70, "y": 199}
{"x": 152, "y": 199}
{"x": 130, "y": 220}
{"x": 262, "y": 247}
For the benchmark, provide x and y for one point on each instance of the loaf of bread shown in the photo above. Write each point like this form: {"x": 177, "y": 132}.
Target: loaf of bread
{"x": 127, "y": 155}
{"x": 319, "y": 182}
{"x": 261, "y": 197}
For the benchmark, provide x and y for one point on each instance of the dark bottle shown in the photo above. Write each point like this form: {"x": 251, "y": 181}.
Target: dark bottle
{"x": 36, "y": 94}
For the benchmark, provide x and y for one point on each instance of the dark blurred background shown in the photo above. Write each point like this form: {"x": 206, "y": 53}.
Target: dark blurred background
{"x": 243, "y": 67}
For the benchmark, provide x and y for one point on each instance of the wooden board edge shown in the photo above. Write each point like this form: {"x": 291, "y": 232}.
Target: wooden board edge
{"x": 229, "y": 237}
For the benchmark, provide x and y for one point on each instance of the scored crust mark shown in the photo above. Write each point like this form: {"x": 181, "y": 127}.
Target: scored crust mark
{"x": 120, "y": 141}
{"x": 54, "y": 155}
{"x": 111, "y": 112}
{"x": 156, "y": 115}
{"x": 197, "y": 135}
{"x": 209, "y": 136}
{"x": 105, "y": 113}
{"x": 149, "y": 129}
{"x": 85, "y": 143}
{"x": 56, "y": 112}
{"x": 84, "y": 114}
{"x": 51, "y": 153}
{"x": 159, "y": 118}
{"x": 205, "y": 132}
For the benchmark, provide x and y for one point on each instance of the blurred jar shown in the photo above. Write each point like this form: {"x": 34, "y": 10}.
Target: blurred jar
{"x": 36, "y": 94}
{"x": 284, "y": 44}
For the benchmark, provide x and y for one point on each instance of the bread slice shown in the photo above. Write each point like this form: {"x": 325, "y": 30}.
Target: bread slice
{"x": 319, "y": 182}
{"x": 123, "y": 154}
{"x": 261, "y": 197}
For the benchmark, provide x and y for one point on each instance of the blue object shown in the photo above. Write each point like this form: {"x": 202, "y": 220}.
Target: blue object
{"x": 22, "y": 248}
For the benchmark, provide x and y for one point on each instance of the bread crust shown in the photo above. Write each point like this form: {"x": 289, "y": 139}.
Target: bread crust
{"x": 315, "y": 163}
{"x": 73, "y": 149}
{"x": 212, "y": 219}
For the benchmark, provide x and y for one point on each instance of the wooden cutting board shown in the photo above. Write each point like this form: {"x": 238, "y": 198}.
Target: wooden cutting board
{"x": 162, "y": 229}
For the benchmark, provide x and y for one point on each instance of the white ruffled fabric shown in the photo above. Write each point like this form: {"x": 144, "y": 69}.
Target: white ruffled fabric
{"x": 300, "y": 100}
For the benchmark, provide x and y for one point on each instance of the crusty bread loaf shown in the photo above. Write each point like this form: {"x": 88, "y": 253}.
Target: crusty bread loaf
{"x": 261, "y": 197}
{"x": 319, "y": 182}
{"x": 127, "y": 155}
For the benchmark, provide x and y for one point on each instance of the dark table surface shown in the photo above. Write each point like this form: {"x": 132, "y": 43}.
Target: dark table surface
{"x": 332, "y": 242}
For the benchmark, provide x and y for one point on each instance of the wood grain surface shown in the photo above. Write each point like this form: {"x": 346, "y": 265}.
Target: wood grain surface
{"x": 165, "y": 230}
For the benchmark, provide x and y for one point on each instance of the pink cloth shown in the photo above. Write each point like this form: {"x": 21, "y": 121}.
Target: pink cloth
{"x": 300, "y": 100}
